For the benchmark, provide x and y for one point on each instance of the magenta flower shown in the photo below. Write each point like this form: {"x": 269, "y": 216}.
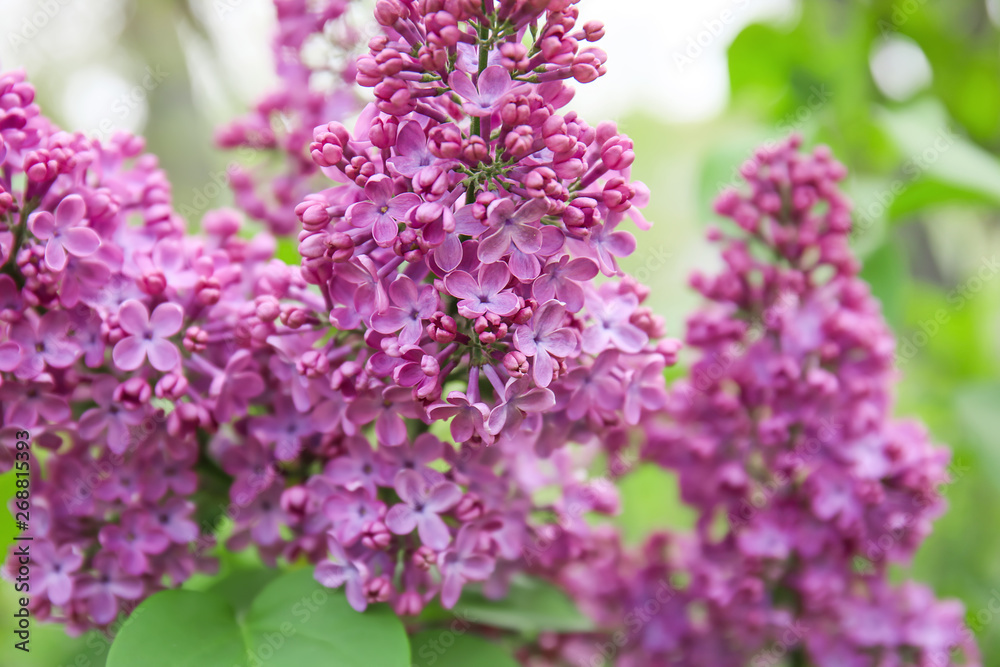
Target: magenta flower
{"x": 134, "y": 540}
{"x": 412, "y": 153}
{"x": 383, "y": 212}
{"x": 422, "y": 503}
{"x": 56, "y": 568}
{"x": 25, "y": 403}
{"x": 512, "y": 226}
{"x": 359, "y": 468}
{"x": 340, "y": 570}
{"x": 148, "y": 336}
{"x": 461, "y": 564}
{"x": 63, "y": 232}
{"x": 468, "y": 417}
{"x": 174, "y": 519}
{"x": 561, "y": 280}
{"x": 516, "y": 401}
{"x": 42, "y": 342}
{"x": 411, "y": 305}
{"x": 350, "y": 511}
{"x": 605, "y": 244}
{"x": 106, "y": 586}
{"x": 486, "y": 295}
{"x": 612, "y": 326}
{"x": 109, "y": 416}
{"x": 485, "y": 97}
{"x": 236, "y": 385}
{"x": 545, "y": 338}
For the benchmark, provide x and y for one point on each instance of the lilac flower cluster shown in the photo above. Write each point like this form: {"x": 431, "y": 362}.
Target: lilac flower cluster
{"x": 782, "y": 439}
{"x": 456, "y": 252}
{"x": 418, "y": 405}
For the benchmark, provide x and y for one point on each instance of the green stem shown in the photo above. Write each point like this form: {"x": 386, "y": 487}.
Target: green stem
{"x": 477, "y": 126}
{"x": 20, "y": 231}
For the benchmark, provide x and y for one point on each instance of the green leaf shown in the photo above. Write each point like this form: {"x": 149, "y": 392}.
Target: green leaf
{"x": 531, "y": 606}
{"x": 293, "y": 621}
{"x": 240, "y": 587}
{"x": 449, "y": 647}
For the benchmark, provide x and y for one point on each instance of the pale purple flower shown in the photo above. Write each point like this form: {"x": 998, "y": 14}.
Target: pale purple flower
{"x": 341, "y": 570}
{"x": 516, "y": 401}
{"x": 488, "y": 294}
{"x": 384, "y": 210}
{"x": 108, "y": 584}
{"x": 149, "y": 336}
{"x": 461, "y": 564}
{"x": 422, "y": 503}
{"x": 358, "y": 468}
{"x": 42, "y": 342}
{"x": 54, "y": 576}
{"x": 411, "y": 305}
{"x": 349, "y": 511}
{"x": 63, "y": 232}
{"x": 487, "y": 95}
{"x": 412, "y": 153}
{"x": 134, "y": 540}
{"x": 468, "y": 417}
{"x": 109, "y": 416}
{"x": 233, "y": 388}
{"x": 510, "y": 226}
{"x": 545, "y": 337}
{"x": 561, "y": 280}
{"x": 611, "y": 325}
{"x": 26, "y": 402}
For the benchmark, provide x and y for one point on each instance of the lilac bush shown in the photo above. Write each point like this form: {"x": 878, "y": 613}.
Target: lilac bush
{"x": 425, "y": 404}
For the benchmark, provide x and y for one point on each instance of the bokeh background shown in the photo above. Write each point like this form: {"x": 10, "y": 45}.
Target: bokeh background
{"x": 905, "y": 92}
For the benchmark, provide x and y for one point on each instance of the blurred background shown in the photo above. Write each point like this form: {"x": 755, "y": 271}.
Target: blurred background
{"x": 905, "y": 92}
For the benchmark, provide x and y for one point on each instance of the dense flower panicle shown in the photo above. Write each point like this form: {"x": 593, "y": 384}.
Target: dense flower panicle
{"x": 783, "y": 440}
{"x": 418, "y": 406}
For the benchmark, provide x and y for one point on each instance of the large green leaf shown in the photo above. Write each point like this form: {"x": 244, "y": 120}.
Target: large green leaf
{"x": 293, "y": 621}
{"x": 451, "y": 647}
{"x": 531, "y": 606}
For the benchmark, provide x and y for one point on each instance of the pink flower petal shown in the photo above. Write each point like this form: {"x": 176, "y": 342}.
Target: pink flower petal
{"x": 129, "y": 353}
{"x": 133, "y": 318}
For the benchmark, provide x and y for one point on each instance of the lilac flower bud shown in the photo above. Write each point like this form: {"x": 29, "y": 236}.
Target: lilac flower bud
{"x": 268, "y": 308}
{"x": 383, "y": 132}
{"x": 195, "y": 339}
{"x": 617, "y": 195}
{"x": 327, "y": 147}
{"x": 208, "y": 291}
{"x": 519, "y": 141}
{"x": 293, "y": 318}
{"x": 153, "y": 283}
{"x": 475, "y": 150}
{"x": 445, "y": 141}
{"x": 469, "y": 508}
{"x": 516, "y": 364}
{"x": 296, "y": 501}
{"x": 442, "y": 328}
{"x": 388, "y": 12}
{"x": 313, "y": 364}
{"x": 375, "y": 535}
{"x": 223, "y": 222}
{"x": 409, "y": 603}
{"x": 314, "y": 213}
{"x": 594, "y": 30}
{"x": 514, "y": 56}
{"x": 171, "y": 387}
{"x": 133, "y": 393}
{"x": 617, "y": 153}
{"x": 424, "y": 558}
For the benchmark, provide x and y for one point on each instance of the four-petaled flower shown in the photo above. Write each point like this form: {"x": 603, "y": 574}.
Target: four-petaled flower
{"x": 384, "y": 210}
{"x": 148, "y": 336}
{"x": 63, "y": 233}
{"x": 544, "y": 338}
{"x": 422, "y": 503}
{"x": 486, "y": 295}
{"x": 411, "y": 305}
